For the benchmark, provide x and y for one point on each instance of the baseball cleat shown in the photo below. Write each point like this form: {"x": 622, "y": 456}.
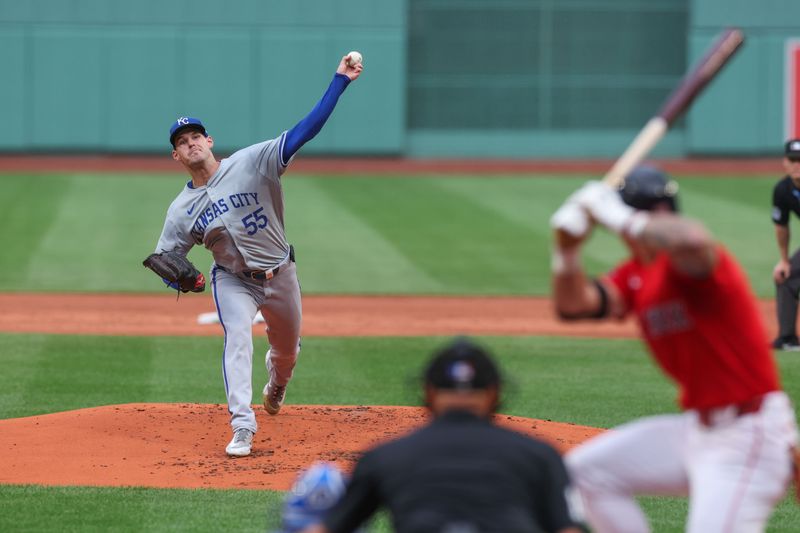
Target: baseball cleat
{"x": 789, "y": 343}
{"x": 273, "y": 397}
{"x": 241, "y": 443}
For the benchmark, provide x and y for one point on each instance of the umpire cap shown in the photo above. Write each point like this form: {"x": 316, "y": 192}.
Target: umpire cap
{"x": 462, "y": 365}
{"x": 647, "y": 188}
{"x": 792, "y": 150}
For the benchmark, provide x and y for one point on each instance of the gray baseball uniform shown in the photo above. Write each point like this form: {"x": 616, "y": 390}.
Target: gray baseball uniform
{"x": 238, "y": 216}
{"x": 235, "y": 209}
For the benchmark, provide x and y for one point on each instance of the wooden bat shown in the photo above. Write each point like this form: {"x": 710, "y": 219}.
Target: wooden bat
{"x": 679, "y": 101}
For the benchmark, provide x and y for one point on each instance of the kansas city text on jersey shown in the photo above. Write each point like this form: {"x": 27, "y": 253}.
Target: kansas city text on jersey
{"x": 223, "y": 205}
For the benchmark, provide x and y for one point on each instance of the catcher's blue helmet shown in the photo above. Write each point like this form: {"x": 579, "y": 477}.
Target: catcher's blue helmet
{"x": 647, "y": 188}
{"x": 316, "y": 490}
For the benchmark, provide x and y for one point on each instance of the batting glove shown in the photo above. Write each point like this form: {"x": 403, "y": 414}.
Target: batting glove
{"x": 571, "y": 218}
{"x": 605, "y": 206}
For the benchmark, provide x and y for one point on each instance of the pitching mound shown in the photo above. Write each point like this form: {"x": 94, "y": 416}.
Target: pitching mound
{"x": 183, "y": 445}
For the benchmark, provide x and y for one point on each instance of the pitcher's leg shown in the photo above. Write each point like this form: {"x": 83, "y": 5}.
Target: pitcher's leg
{"x": 642, "y": 457}
{"x": 282, "y": 310}
{"x": 236, "y": 308}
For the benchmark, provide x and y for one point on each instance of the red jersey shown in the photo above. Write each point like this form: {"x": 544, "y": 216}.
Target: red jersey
{"x": 706, "y": 333}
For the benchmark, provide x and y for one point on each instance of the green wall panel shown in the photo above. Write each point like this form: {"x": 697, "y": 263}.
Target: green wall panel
{"x": 769, "y": 14}
{"x": 575, "y": 144}
{"x": 742, "y": 112}
{"x": 111, "y": 76}
{"x": 69, "y": 87}
{"x": 295, "y": 70}
{"x": 718, "y": 122}
{"x": 265, "y": 13}
{"x": 485, "y": 78}
{"x": 216, "y": 69}
{"x": 370, "y": 114}
{"x": 145, "y": 88}
{"x": 15, "y": 130}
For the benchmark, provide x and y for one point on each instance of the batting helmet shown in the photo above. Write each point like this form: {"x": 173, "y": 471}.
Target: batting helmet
{"x": 316, "y": 490}
{"x": 649, "y": 189}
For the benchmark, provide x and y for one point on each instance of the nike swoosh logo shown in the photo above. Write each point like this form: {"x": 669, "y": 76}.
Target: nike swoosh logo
{"x": 189, "y": 212}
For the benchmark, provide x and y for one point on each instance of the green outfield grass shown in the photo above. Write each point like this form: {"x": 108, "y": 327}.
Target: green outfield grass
{"x": 594, "y": 382}
{"x": 399, "y": 235}
{"x": 409, "y": 235}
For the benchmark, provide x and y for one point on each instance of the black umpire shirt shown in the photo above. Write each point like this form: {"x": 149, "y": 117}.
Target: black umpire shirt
{"x": 459, "y": 473}
{"x": 785, "y": 198}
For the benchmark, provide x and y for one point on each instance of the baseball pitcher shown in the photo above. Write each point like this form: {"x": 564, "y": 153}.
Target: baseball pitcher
{"x": 234, "y": 207}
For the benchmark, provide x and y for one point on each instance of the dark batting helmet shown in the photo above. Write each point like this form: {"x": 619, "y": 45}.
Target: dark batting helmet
{"x": 649, "y": 189}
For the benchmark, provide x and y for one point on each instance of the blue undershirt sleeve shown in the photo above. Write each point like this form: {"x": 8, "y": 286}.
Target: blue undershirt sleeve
{"x": 306, "y": 129}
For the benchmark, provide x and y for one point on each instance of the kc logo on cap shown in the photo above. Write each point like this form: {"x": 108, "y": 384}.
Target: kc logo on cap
{"x": 184, "y": 122}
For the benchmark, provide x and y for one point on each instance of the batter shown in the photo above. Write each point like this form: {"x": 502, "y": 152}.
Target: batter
{"x": 234, "y": 207}
{"x": 730, "y": 449}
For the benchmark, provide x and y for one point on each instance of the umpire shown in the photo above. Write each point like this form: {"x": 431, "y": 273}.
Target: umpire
{"x": 785, "y": 199}
{"x": 460, "y": 473}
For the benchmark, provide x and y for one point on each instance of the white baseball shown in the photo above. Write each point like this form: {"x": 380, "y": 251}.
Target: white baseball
{"x": 355, "y": 58}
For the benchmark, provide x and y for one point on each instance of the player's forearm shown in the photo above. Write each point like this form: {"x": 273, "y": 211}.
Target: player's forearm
{"x": 573, "y": 292}
{"x": 782, "y": 236}
{"x": 689, "y": 244}
{"x": 311, "y": 125}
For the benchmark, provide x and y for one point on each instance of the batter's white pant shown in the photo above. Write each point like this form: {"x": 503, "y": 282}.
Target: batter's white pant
{"x": 735, "y": 471}
{"x": 237, "y": 299}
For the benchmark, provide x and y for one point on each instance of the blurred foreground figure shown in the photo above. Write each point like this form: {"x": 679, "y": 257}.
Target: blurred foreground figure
{"x": 460, "y": 473}
{"x": 316, "y": 490}
{"x": 731, "y": 448}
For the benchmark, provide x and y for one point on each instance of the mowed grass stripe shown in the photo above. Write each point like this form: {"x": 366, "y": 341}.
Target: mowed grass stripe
{"x": 340, "y": 250}
{"x": 594, "y": 382}
{"x": 528, "y": 205}
{"x": 30, "y": 206}
{"x": 105, "y": 225}
{"x": 88, "y": 509}
{"x": 456, "y": 241}
{"x": 404, "y": 235}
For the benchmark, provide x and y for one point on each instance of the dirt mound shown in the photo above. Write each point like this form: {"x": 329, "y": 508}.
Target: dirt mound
{"x": 183, "y": 445}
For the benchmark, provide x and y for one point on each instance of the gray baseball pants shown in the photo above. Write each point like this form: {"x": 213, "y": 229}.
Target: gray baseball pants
{"x": 237, "y": 299}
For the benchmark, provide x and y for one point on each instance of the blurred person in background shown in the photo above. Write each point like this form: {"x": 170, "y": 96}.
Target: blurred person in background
{"x": 460, "y": 473}
{"x": 786, "y": 274}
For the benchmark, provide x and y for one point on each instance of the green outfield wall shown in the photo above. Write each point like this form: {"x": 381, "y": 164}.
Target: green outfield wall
{"x": 444, "y": 78}
{"x": 107, "y": 75}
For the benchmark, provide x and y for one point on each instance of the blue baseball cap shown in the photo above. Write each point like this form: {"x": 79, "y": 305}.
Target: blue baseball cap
{"x": 183, "y": 123}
